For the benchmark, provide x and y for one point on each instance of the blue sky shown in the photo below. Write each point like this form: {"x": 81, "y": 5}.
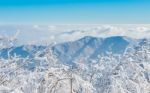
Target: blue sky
{"x": 74, "y": 11}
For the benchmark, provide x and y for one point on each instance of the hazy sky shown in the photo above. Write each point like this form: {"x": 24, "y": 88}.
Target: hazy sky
{"x": 74, "y": 11}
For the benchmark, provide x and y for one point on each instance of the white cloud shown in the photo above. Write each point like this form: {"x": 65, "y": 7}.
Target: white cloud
{"x": 63, "y": 33}
{"x": 51, "y": 28}
{"x": 133, "y": 31}
{"x": 36, "y": 27}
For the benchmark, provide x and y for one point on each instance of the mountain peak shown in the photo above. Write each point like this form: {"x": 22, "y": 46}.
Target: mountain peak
{"x": 89, "y": 47}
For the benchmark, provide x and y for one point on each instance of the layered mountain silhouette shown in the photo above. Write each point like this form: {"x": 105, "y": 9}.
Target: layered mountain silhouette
{"x": 87, "y": 47}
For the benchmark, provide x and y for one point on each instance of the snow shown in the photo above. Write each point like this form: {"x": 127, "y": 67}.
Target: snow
{"x": 112, "y": 73}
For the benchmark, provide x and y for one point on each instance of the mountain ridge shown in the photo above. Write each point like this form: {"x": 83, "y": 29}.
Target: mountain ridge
{"x": 88, "y": 47}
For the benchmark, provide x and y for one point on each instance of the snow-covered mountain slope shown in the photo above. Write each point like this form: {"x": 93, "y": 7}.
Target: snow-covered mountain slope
{"x": 90, "y": 47}
{"x": 128, "y": 72}
{"x": 22, "y": 51}
{"x": 87, "y": 47}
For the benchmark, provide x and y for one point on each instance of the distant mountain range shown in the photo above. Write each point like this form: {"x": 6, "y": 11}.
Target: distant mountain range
{"x": 87, "y": 47}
